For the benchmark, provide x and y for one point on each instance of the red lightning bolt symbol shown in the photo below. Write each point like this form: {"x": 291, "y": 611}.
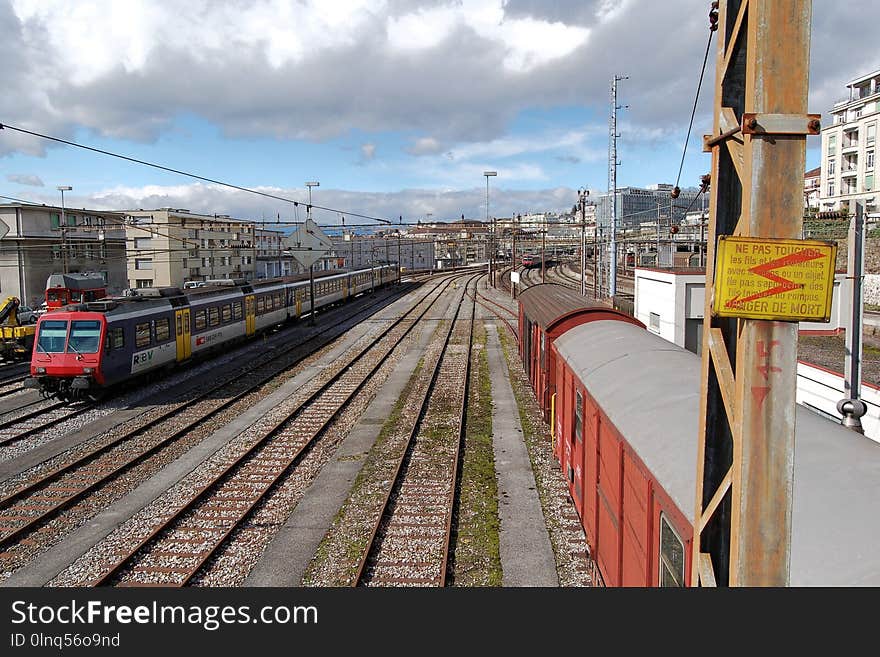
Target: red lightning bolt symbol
{"x": 766, "y": 270}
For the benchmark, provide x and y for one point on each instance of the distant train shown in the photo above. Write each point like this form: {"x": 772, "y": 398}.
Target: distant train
{"x": 623, "y": 408}
{"x": 534, "y": 259}
{"x": 64, "y": 289}
{"x": 83, "y": 349}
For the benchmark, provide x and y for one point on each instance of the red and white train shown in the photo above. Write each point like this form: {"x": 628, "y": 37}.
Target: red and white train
{"x": 83, "y": 349}
{"x": 623, "y": 406}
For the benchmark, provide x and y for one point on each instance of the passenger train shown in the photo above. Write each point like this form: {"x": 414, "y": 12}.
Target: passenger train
{"x": 623, "y": 406}
{"x": 83, "y": 349}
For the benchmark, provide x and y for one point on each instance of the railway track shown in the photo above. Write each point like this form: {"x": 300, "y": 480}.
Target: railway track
{"x": 173, "y": 551}
{"x": 32, "y": 422}
{"x": 44, "y": 495}
{"x": 410, "y": 539}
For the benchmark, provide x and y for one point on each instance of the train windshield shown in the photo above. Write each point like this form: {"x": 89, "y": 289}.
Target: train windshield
{"x": 53, "y": 335}
{"x": 84, "y": 337}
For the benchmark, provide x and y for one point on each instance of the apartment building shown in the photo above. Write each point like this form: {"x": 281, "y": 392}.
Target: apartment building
{"x": 168, "y": 247}
{"x": 849, "y": 148}
{"x": 41, "y": 240}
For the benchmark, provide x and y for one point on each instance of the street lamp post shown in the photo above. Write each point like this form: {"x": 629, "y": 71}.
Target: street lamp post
{"x": 488, "y": 174}
{"x": 311, "y": 266}
{"x": 62, "y": 189}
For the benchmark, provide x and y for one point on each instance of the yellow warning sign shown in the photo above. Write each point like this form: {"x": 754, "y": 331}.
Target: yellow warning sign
{"x": 774, "y": 279}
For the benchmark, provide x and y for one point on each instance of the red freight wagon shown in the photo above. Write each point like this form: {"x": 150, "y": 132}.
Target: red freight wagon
{"x": 626, "y": 421}
{"x": 546, "y": 311}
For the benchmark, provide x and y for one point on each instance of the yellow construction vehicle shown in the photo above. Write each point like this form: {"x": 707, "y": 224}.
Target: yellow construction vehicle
{"x": 16, "y": 339}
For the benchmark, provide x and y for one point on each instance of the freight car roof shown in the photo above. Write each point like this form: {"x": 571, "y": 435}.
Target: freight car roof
{"x": 549, "y": 303}
{"x": 650, "y": 389}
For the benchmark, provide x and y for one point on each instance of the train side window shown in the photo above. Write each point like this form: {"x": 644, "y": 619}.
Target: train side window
{"x": 579, "y": 416}
{"x": 671, "y": 555}
{"x": 279, "y": 299}
{"x": 213, "y": 316}
{"x": 163, "y": 330}
{"x": 225, "y": 313}
{"x": 142, "y": 335}
{"x": 261, "y": 305}
{"x": 236, "y": 310}
{"x": 200, "y": 320}
{"x": 117, "y": 338}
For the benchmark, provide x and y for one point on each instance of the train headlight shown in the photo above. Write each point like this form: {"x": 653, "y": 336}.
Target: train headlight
{"x": 88, "y": 370}
{"x": 41, "y": 370}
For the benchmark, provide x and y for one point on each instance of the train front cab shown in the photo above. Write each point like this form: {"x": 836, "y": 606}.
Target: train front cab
{"x": 67, "y": 353}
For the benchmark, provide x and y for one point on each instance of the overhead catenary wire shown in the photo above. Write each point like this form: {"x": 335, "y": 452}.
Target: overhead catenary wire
{"x": 713, "y": 26}
{"x": 296, "y": 203}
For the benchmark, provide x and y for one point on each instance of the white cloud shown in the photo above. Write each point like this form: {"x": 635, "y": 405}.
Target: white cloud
{"x": 424, "y": 146}
{"x": 368, "y": 152}
{"x": 25, "y": 179}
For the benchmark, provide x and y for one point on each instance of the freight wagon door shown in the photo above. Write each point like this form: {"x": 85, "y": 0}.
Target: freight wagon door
{"x": 184, "y": 334}
{"x": 250, "y": 320}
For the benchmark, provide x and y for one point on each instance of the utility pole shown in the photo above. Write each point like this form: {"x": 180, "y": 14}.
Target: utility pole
{"x": 311, "y": 267}
{"x": 596, "y": 269}
{"x": 399, "y": 230}
{"x": 612, "y": 181}
{"x": 853, "y": 408}
{"x": 62, "y": 189}
{"x": 742, "y": 523}
{"x": 582, "y": 197}
{"x": 513, "y": 257}
{"x": 543, "y": 248}
{"x": 491, "y": 240}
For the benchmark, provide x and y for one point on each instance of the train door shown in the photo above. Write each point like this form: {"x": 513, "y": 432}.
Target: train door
{"x": 345, "y": 287}
{"x": 576, "y": 467}
{"x": 250, "y": 319}
{"x": 299, "y": 302}
{"x": 184, "y": 334}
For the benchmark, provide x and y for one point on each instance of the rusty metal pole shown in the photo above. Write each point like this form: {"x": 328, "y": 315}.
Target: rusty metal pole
{"x": 742, "y": 527}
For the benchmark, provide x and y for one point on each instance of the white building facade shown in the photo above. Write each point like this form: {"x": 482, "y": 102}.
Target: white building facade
{"x": 849, "y": 146}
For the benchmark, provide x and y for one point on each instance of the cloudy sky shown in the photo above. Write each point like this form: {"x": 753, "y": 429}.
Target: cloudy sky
{"x": 396, "y": 107}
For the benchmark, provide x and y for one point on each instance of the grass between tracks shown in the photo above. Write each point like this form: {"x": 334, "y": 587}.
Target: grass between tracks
{"x": 339, "y": 552}
{"x": 477, "y": 558}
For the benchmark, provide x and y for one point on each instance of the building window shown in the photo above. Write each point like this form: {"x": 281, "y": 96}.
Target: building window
{"x": 869, "y": 160}
{"x": 671, "y": 555}
{"x": 832, "y": 144}
{"x": 831, "y": 166}
{"x": 144, "y": 282}
{"x": 654, "y": 321}
{"x": 55, "y": 220}
{"x": 869, "y": 182}
{"x": 870, "y": 134}
{"x": 143, "y": 242}
{"x": 831, "y": 188}
{"x": 143, "y": 263}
